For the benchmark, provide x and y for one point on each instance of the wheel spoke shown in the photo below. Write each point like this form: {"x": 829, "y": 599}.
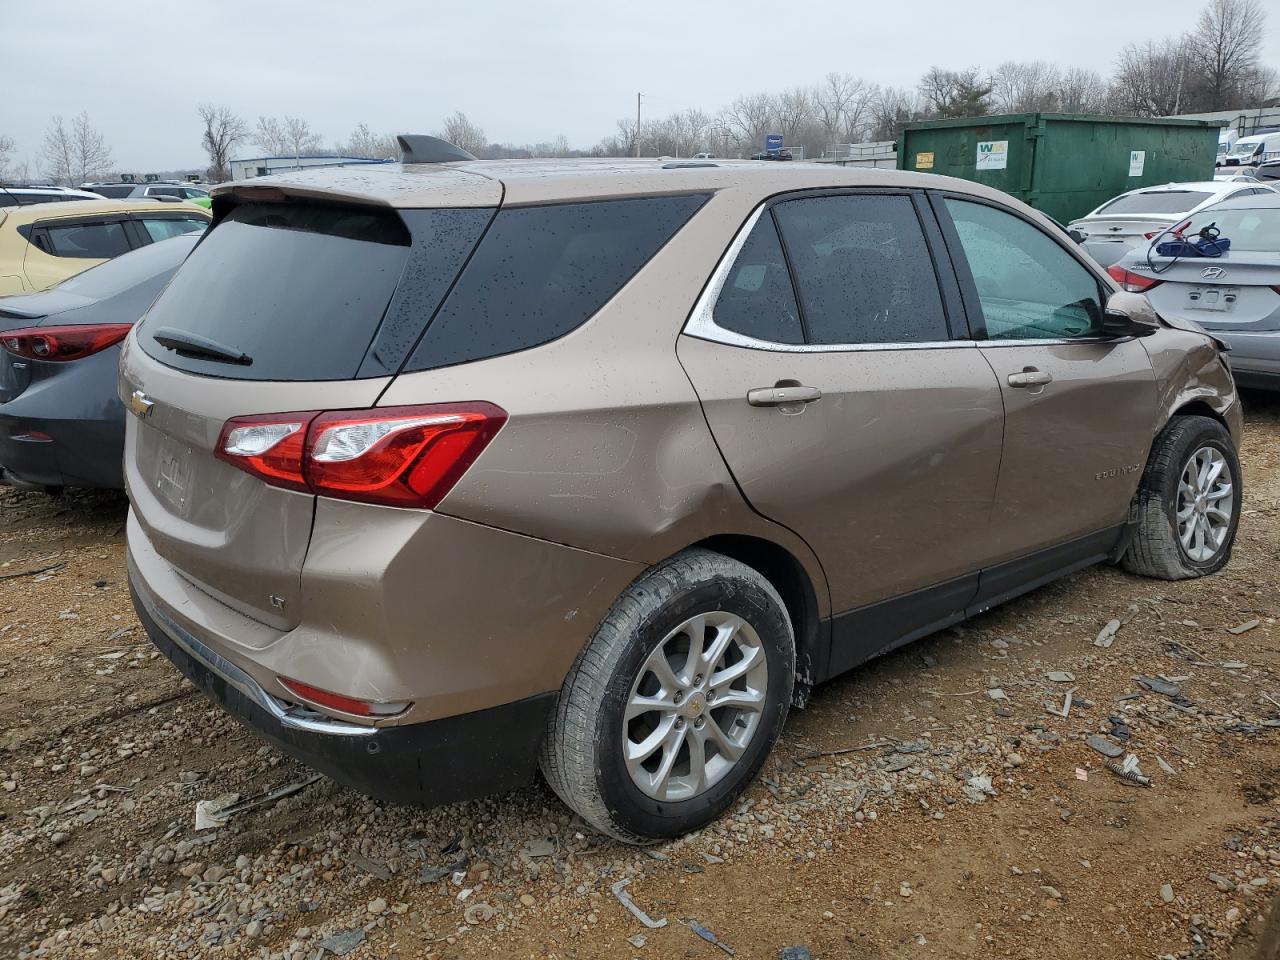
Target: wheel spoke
{"x": 696, "y": 629}
{"x": 1221, "y": 492}
{"x": 1186, "y": 512}
{"x": 725, "y": 632}
{"x": 1213, "y": 470}
{"x": 728, "y": 749}
{"x": 739, "y": 700}
{"x": 638, "y": 753}
{"x": 1222, "y": 516}
{"x": 639, "y": 705}
{"x": 670, "y": 750}
{"x": 697, "y": 741}
{"x": 751, "y": 658}
{"x": 1187, "y": 532}
{"x": 661, "y": 669}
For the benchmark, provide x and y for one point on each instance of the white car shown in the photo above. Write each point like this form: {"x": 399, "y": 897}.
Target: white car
{"x": 1133, "y": 218}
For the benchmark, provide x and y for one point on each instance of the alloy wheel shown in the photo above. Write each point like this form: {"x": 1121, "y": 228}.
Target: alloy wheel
{"x": 1205, "y": 504}
{"x": 694, "y": 706}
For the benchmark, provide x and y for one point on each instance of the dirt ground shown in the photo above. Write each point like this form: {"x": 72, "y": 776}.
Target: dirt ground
{"x": 934, "y": 804}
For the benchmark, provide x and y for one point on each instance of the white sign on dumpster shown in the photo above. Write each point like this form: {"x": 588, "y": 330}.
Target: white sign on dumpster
{"x": 993, "y": 154}
{"x": 1137, "y": 160}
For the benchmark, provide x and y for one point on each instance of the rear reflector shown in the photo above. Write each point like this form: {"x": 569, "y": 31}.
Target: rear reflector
{"x": 336, "y": 701}
{"x": 398, "y": 456}
{"x": 1132, "y": 282}
{"x": 63, "y": 342}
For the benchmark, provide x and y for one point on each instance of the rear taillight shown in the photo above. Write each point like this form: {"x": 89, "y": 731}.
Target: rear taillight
{"x": 1133, "y": 282}
{"x": 63, "y": 342}
{"x": 399, "y": 456}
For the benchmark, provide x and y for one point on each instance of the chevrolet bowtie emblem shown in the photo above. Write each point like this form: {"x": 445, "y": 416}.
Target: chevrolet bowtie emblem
{"x": 140, "y": 404}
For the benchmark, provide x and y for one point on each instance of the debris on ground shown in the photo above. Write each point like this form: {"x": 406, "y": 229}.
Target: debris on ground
{"x": 1107, "y": 635}
{"x": 619, "y": 891}
{"x": 710, "y": 937}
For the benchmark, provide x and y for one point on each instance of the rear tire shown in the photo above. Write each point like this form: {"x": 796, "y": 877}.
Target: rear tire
{"x": 639, "y": 685}
{"x": 1187, "y": 506}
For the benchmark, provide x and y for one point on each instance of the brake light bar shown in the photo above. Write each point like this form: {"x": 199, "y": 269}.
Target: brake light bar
{"x": 397, "y": 456}
{"x": 65, "y": 342}
{"x": 1130, "y": 281}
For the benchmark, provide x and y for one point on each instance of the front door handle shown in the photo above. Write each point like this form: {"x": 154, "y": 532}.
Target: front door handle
{"x": 776, "y": 396}
{"x": 1030, "y": 377}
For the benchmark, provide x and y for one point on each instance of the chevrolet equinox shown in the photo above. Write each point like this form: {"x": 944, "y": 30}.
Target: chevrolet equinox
{"x": 447, "y": 471}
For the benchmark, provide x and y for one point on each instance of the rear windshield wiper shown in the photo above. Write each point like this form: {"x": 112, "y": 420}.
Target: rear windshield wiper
{"x": 192, "y": 345}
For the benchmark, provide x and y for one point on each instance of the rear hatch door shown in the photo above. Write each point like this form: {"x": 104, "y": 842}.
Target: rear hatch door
{"x": 300, "y": 288}
{"x": 1234, "y": 292}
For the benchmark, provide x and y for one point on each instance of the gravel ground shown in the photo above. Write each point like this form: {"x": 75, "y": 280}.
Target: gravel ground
{"x": 936, "y": 803}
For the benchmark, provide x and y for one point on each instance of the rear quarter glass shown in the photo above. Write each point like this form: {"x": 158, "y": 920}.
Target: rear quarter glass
{"x": 542, "y": 271}
{"x": 303, "y": 289}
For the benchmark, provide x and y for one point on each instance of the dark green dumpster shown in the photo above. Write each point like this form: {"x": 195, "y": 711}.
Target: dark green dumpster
{"x": 1062, "y": 164}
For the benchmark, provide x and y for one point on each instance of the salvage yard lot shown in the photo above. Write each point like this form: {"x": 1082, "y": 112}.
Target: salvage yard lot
{"x": 894, "y": 849}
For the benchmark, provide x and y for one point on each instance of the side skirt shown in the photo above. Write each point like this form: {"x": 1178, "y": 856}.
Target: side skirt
{"x": 859, "y": 635}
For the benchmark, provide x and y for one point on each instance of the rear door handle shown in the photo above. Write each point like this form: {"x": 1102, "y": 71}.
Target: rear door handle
{"x": 1030, "y": 377}
{"x": 774, "y": 396}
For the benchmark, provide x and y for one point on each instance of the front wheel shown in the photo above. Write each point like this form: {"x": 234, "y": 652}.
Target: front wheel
{"x": 674, "y": 704}
{"x": 1188, "y": 503}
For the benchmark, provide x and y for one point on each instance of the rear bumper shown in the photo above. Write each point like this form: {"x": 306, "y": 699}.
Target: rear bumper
{"x": 441, "y": 761}
{"x": 1254, "y": 358}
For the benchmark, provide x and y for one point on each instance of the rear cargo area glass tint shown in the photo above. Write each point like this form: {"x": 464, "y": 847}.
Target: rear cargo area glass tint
{"x": 542, "y": 271}
{"x": 300, "y": 289}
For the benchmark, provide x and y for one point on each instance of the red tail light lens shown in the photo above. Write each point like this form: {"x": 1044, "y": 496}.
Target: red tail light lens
{"x": 399, "y": 456}
{"x": 270, "y": 447}
{"x": 336, "y": 701}
{"x": 63, "y": 342}
{"x": 1133, "y": 282}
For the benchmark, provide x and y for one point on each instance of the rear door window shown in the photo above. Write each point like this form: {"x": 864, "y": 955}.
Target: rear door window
{"x": 543, "y": 271}
{"x": 757, "y": 299}
{"x": 863, "y": 269}
{"x": 165, "y": 228}
{"x": 98, "y": 240}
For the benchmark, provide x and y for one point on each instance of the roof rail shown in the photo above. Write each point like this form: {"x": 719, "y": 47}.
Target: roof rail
{"x": 420, "y": 148}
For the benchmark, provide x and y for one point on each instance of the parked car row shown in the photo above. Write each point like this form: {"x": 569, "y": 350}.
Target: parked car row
{"x": 19, "y": 195}
{"x": 443, "y": 475}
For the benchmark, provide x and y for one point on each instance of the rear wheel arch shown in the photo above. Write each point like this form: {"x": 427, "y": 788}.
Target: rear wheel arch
{"x": 788, "y": 576}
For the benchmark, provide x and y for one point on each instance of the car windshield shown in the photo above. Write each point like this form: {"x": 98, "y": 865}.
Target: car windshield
{"x": 130, "y": 269}
{"x": 1256, "y": 229}
{"x": 1157, "y": 201}
{"x": 1244, "y": 149}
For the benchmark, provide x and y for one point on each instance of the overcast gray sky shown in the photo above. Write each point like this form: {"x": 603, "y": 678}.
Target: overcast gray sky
{"x": 524, "y": 71}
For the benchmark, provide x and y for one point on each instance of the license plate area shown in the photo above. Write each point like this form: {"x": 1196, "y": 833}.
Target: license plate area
{"x": 1219, "y": 299}
{"x": 173, "y": 475}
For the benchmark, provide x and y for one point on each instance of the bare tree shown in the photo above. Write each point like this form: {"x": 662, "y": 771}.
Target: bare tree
{"x": 222, "y": 131}
{"x": 74, "y": 154}
{"x": 269, "y": 135}
{"x": 956, "y": 93}
{"x": 461, "y": 132}
{"x": 1150, "y": 79}
{"x": 365, "y": 143}
{"x": 1082, "y": 91}
{"x": 1025, "y": 87}
{"x": 1224, "y": 47}
{"x": 298, "y": 138}
{"x": 751, "y": 119}
{"x": 6, "y": 148}
{"x": 840, "y": 104}
{"x": 891, "y": 108}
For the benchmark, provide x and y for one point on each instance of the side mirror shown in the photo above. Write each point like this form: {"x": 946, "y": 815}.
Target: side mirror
{"x": 1076, "y": 235}
{"x": 1129, "y": 315}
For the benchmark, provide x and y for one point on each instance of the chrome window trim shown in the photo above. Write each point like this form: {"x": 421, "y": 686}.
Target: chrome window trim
{"x": 702, "y": 324}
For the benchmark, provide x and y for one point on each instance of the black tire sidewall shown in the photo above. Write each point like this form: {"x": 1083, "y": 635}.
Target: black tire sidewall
{"x": 1207, "y": 434}
{"x": 630, "y": 808}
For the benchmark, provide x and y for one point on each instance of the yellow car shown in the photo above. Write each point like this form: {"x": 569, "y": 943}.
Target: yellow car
{"x": 44, "y": 243}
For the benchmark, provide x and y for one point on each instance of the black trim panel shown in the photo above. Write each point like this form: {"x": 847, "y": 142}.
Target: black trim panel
{"x": 877, "y": 628}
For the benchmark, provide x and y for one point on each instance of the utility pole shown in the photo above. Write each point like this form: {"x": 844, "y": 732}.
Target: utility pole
{"x": 638, "y": 96}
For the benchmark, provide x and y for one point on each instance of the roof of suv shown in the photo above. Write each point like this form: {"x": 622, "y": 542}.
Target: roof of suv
{"x": 30, "y": 212}
{"x": 484, "y": 183}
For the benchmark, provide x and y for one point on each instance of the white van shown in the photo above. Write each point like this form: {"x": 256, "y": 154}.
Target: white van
{"x": 1248, "y": 151}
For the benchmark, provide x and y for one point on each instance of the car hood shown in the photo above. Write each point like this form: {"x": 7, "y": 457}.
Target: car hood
{"x": 33, "y": 306}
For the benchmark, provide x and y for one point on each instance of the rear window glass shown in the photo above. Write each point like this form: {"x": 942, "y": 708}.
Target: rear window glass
{"x": 300, "y": 289}
{"x": 113, "y": 192}
{"x": 1257, "y": 229}
{"x": 542, "y": 271}
{"x": 1157, "y": 201}
{"x": 115, "y": 276}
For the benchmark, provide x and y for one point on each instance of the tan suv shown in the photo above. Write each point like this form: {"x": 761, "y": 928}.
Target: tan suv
{"x": 446, "y": 471}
